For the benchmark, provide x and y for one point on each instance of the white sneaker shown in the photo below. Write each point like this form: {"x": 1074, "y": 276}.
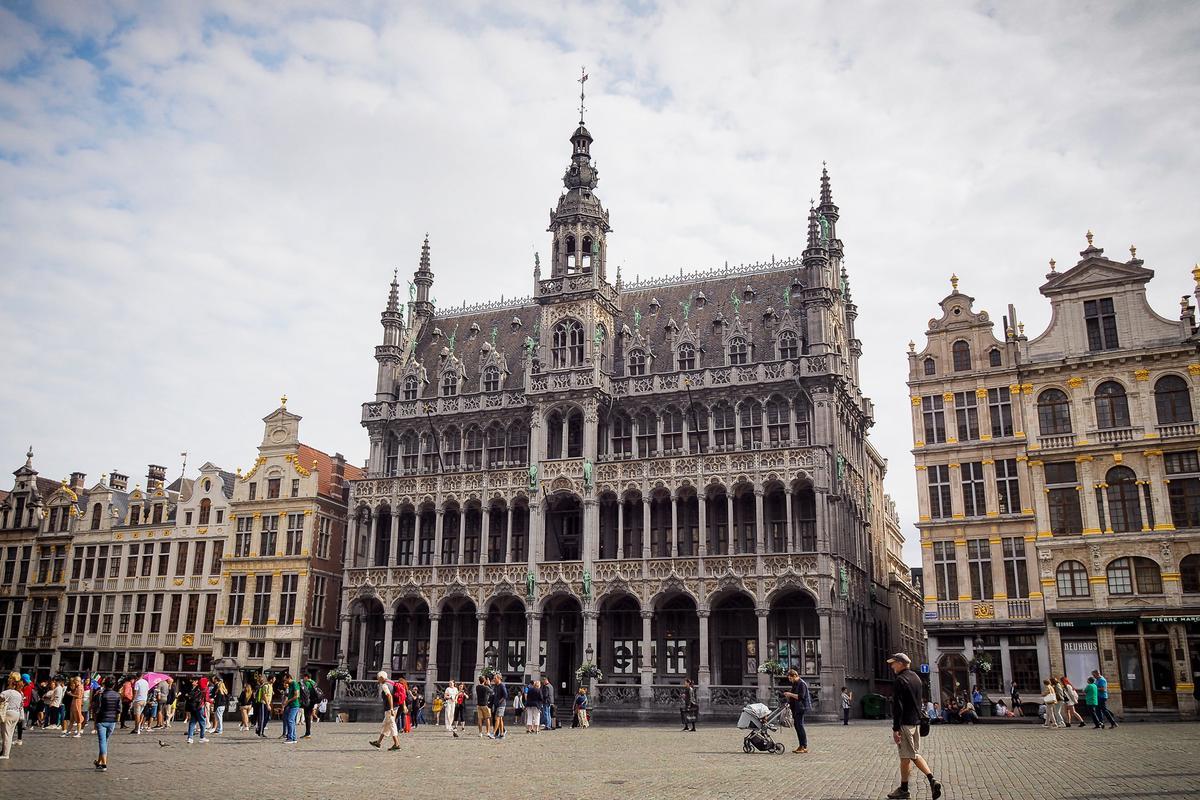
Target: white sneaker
{"x": 203, "y": 741}
{"x": 189, "y": 741}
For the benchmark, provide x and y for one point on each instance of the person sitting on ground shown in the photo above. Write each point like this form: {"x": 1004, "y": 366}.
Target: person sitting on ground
{"x": 967, "y": 714}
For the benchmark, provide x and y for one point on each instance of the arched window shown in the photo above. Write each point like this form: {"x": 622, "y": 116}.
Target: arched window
{"x": 994, "y": 357}
{"x": 570, "y": 254}
{"x": 1172, "y": 400}
{"x": 697, "y": 425}
{"x": 1054, "y": 412}
{"x": 518, "y": 442}
{"x": 738, "y": 351}
{"x": 779, "y": 420}
{"x": 1072, "y": 580}
{"x": 751, "y": 422}
{"x": 449, "y": 384}
{"x": 574, "y": 433}
{"x": 391, "y": 461}
{"x": 788, "y": 347}
{"x": 1189, "y": 570}
{"x": 621, "y": 428}
{"x": 96, "y": 512}
{"x": 724, "y": 419}
{"x": 803, "y": 420}
{"x": 672, "y": 430}
{"x": 567, "y": 349}
{"x": 962, "y": 355}
{"x": 491, "y": 379}
{"x": 554, "y": 435}
{"x": 637, "y": 362}
{"x": 930, "y": 366}
{"x": 587, "y": 252}
{"x": 451, "y": 441}
{"x": 1134, "y": 575}
{"x": 647, "y": 433}
{"x": 687, "y": 356}
{"x": 1112, "y": 406}
{"x": 410, "y": 451}
{"x": 1124, "y": 512}
{"x": 473, "y": 454}
{"x": 205, "y": 511}
{"x": 496, "y": 440}
{"x": 411, "y": 386}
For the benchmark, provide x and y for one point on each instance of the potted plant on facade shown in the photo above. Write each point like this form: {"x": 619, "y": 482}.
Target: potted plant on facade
{"x": 489, "y": 672}
{"x": 588, "y": 671}
{"x": 979, "y": 666}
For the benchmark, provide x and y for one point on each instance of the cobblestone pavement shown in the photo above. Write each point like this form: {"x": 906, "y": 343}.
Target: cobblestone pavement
{"x": 1147, "y": 760}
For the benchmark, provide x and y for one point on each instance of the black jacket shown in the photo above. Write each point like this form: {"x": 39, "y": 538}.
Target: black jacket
{"x": 906, "y": 699}
{"x": 483, "y": 694}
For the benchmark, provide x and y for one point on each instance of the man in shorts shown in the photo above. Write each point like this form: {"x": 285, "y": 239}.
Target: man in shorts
{"x": 906, "y": 725}
{"x": 483, "y": 706}
{"x": 141, "y": 689}
{"x": 499, "y": 703}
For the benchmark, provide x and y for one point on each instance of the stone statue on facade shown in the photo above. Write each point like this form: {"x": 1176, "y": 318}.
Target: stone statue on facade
{"x": 530, "y": 585}
{"x": 587, "y": 474}
{"x": 533, "y": 476}
{"x": 587, "y": 583}
{"x": 412, "y": 291}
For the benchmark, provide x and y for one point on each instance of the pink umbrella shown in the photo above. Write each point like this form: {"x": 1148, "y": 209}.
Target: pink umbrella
{"x": 155, "y": 678}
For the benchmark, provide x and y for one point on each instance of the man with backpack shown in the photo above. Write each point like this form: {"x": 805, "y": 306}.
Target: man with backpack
{"x": 310, "y": 697}
{"x": 291, "y": 708}
{"x": 799, "y": 700}
{"x": 195, "y": 709}
{"x": 908, "y": 723}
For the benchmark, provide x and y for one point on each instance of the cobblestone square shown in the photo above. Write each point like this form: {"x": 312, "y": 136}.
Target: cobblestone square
{"x": 984, "y": 761}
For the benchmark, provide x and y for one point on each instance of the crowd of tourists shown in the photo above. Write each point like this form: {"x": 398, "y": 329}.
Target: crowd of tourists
{"x": 153, "y": 702}
{"x": 532, "y": 704}
{"x": 1058, "y": 705}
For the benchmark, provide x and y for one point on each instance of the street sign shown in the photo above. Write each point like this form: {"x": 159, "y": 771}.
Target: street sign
{"x": 924, "y": 669}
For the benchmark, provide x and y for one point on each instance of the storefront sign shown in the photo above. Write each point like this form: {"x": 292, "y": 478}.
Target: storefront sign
{"x": 1079, "y": 647}
{"x": 1172, "y": 619}
{"x": 1094, "y": 623}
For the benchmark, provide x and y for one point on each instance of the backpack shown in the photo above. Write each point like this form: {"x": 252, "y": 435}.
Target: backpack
{"x": 305, "y": 694}
{"x": 399, "y": 695}
{"x": 318, "y": 696}
{"x": 196, "y": 698}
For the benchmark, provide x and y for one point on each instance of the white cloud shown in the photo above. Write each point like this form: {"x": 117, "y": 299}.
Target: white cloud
{"x": 202, "y": 207}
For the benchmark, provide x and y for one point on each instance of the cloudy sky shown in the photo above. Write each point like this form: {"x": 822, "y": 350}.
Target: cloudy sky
{"x": 201, "y": 206}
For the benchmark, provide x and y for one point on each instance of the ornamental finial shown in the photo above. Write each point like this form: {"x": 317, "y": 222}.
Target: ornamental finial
{"x": 1089, "y": 235}
{"x": 1052, "y": 264}
{"x": 1133, "y": 251}
{"x": 1196, "y": 273}
{"x": 954, "y": 281}
{"x": 283, "y": 401}
{"x": 912, "y": 346}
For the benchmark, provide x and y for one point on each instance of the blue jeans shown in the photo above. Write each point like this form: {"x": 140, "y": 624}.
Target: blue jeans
{"x": 103, "y": 731}
{"x": 289, "y": 723}
{"x": 1106, "y": 715}
{"x": 547, "y": 723}
{"x": 798, "y": 720}
{"x": 196, "y": 718}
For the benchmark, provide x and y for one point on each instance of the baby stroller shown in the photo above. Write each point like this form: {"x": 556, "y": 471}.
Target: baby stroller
{"x": 758, "y": 721}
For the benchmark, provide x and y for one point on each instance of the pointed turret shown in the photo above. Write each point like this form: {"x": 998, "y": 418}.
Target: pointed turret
{"x": 814, "y": 252}
{"x": 423, "y": 281}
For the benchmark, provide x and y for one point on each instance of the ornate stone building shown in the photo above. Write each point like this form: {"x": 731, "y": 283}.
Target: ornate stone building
{"x": 1097, "y": 414}
{"x": 669, "y": 478}
{"x": 283, "y": 548}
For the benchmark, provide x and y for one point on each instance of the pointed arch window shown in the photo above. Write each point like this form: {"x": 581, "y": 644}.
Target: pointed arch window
{"x": 451, "y": 448}
{"x": 586, "y": 255}
{"x": 751, "y": 422}
{"x": 930, "y": 366}
{"x": 687, "y": 356}
{"x": 570, "y": 254}
{"x": 637, "y": 362}
{"x": 1112, "y": 406}
{"x": 496, "y": 441}
{"x": 205, "y": 511}
{"x": 622, "y": 434}
{"x": 779, "y": 421}
{"x": 392, "y": 455}
{"x": 575, "y": 434}
{"x": 567, "y": 347}
{"x": 647, "y": 433}
{"x": 554, "y": 435}
{"x": 411, "y": 387}
{"x": 723, "y": 425}
{"x": 1054, "y": 412}
{"x": 491, "y": 379}
{"x": 96, "y": 511}
{"x": 788, "y": 346}
{"x": 410, "y": 450}
{"x": 518, "y": 443}
{"x": 739, "y": 353}
{"x": 672, "y": 430}
{"x": 450, "y": 384}
{"x": 961, "y": 352}
{"x": 697, "y": 422}
{"x": 1172, "y": 400}
{"x": 473, "y": 452}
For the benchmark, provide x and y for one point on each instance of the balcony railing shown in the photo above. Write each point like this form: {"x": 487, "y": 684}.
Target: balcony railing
{"x": 1056, "y": 442}
{"x": 948, "y": 610}
{"x": 1019, "y": 609}
{"x": 1177, "y": 429}
{"x": 1115, "y": 435}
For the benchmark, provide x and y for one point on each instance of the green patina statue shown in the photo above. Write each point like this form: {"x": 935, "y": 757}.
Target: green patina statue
{"x": 533, "y": 475}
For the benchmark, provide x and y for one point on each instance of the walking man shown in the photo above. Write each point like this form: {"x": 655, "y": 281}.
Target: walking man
{"x": 291, "y": 708}
{"x": 141, "y": 691}
{"x": 309, "y": 696}
{"x": 483, "y": 707}
{"x": 547, "y": 704}
{"x": 499, "y": 703}
{"x": 1102, "y": 688}
{"x": 386, "y": 694}
{"x": 799, "y": 700}
{"x": 906, "y": 725}
{"x": 1091, "y": 696}
{"x": 847, "y": 698}
{"x": 262, "y": 705}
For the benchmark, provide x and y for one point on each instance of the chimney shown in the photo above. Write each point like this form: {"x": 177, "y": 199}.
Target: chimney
{"x": 154, "y": 476}
{"x": 78, "y": 482}
{"x": 338, "y": 478}
{"x": 118, "y": 481}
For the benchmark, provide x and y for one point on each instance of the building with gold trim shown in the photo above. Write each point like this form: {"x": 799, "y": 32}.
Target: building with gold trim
{"x": 1105, "y": 498}
{"x": 282, "y": 574}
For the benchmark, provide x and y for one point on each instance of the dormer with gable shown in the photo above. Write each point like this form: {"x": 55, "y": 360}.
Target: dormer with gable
{"x": 958, "y": 343}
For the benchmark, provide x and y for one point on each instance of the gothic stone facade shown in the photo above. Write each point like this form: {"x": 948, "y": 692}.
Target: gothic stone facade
{"x": 670, "y": 478}
{"x": 1060, "y": 490}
